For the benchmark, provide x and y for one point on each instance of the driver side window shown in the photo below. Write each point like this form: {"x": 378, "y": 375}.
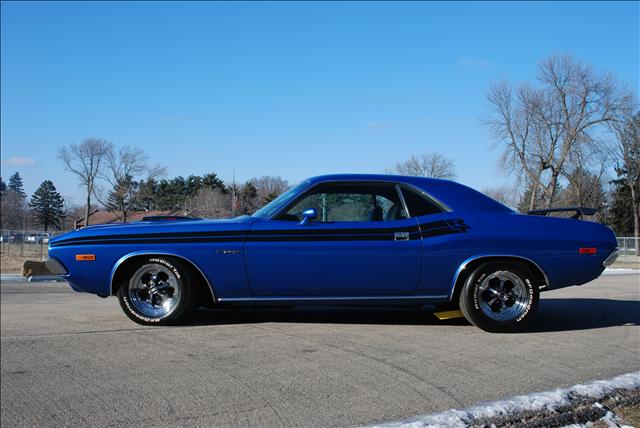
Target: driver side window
{"x": 350, "y": 202}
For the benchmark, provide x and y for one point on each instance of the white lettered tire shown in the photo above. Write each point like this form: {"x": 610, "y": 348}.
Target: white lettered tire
{"x": 157, "y": 292}
{"x": 500, "y": 296}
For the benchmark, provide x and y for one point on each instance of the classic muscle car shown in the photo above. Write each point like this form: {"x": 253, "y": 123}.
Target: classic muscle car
{"x": 342, "y": 239}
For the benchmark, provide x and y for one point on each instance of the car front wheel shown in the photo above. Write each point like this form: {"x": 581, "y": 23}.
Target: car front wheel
{"x": 499, "y": 296}
{"x": 158, "y": 292}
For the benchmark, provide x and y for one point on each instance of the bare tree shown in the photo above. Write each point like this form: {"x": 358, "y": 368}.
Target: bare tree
{"x": 87, "y": 161}
{"x": 210, "y": 203}
{"x": 586, "y": 172}
{"x": 269, "y": 187}
{"x": 434, "y": 165}
{"x": 539, "y": 128}
{"x": 503, "y": 194}
{"x": 626, "y": 154}
{"x": 13, "y": 211}
{"x": 124, "y": 168}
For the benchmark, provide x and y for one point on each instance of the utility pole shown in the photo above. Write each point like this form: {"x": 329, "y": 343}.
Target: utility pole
{"x": 233, "y": 194}
{"x": 323, "y": 198}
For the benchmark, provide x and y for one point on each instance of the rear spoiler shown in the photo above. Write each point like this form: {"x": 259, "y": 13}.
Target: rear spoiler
{"x": 169, "y": 218}
{"x": 579, "y": 211}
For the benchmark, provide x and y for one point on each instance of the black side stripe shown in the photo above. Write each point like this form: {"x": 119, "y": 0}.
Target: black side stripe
{"x": 424, "y": 230}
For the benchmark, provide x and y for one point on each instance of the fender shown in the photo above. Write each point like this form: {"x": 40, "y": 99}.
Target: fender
{"x": 487, "y": 255}
{"x": 158, "y": 253}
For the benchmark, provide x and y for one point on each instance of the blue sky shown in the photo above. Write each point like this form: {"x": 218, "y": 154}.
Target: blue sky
{"x": 289, "y": 89}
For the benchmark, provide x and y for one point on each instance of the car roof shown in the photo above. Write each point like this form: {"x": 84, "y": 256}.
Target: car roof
{"x": 374, "y": 177}
{"x": 453, "y": 194}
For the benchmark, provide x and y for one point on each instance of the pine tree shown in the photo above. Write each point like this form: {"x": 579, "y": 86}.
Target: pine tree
{"x": 148, "y": 194}
{"x": 193, "y": 185}
{"x": 47, "y": 206}
{"x": 620, "y": 214}
{"x": 269, "y": 197}
{"x": 124, "y": 197}
{"x": 248, "y": 198}
{"x": 16, "y": 186}
{"x": 3, "y": 188}
{"x": 212, "y": 181}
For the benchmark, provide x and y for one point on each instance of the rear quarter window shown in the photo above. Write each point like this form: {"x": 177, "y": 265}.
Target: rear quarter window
{"x": 419, "y": 204}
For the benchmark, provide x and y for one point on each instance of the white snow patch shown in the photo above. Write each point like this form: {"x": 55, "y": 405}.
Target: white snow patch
{"x": 611, "y": 420}
{"x": 540, "y": 400}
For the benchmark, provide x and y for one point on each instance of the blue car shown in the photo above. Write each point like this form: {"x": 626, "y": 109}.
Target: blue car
{"x": 342, "y": 239}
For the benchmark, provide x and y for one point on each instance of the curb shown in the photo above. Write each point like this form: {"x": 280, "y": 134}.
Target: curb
{"x": 20, "y": 278}
{"x": 558, "y": 404}
{"x": 620, "y": 271}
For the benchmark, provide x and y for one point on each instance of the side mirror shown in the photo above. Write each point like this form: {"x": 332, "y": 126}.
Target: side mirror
{"x": 308, "y": 214}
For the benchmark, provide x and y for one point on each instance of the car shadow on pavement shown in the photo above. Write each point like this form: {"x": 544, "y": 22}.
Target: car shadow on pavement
{"x": 558, "y": 314}
{"x": 322, "y": 315}
{"x": 564, "y": 314}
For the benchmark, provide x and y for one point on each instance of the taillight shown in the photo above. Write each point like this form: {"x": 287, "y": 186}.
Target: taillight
{"x": 588, "y": 250}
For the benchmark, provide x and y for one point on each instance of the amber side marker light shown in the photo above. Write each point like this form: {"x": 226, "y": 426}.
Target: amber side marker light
{"x": 85, "y": 257}
{"x": 588, "y": 250}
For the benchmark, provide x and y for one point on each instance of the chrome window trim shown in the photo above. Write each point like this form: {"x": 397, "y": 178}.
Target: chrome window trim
{"x": 159, "y": 253}
{"x": 464, "y": 264}
{"x": 444, "y": 207}
{"x": 404, "y": 203}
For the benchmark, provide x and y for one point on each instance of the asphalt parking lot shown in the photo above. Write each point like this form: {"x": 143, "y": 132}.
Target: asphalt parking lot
{"x": 76, "y": 360}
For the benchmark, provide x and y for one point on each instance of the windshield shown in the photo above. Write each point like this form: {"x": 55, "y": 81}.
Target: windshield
{"x": 274, "y": 206}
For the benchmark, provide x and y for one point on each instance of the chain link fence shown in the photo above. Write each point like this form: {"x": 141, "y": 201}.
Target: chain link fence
{"x": 627, "y": 245}
{"x": 21, "y": 243}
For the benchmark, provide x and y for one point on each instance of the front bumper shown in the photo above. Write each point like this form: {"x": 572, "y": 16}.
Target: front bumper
{"x": 611, "y": 258}
{"x": 50, "y": 267}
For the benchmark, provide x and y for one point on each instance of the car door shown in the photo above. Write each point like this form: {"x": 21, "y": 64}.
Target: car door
{"x": 445, "y": 242}
{"x": 361, "y": 244}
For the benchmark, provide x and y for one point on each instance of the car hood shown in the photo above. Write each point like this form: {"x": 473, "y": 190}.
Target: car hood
{"x": 155, "y": 227}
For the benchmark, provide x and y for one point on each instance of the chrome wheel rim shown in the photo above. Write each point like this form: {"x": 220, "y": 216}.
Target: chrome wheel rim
{"x": 154, "y": 291}
{"x": 503, "y": 296}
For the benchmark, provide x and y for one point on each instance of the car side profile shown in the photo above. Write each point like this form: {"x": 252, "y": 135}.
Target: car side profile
{"x": 347, "y": 239}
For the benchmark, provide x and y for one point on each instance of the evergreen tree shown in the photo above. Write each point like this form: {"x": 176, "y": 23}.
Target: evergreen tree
{"x": 620, "y": 214}
{"x": 193, "y": 185}
{"x": 148, "y": 194}
{"x": 16, "y": 186}
{"x": 584, "y": 189}
{"x": 3, "y": 188}
{"x": 269, "y": 197}
{"x": 164, "y": 195}
{"x": 123, "y": 197}
{"x": 524, "y": 205}
{"x": 248, "y": 198}
{"x": 47, "y": 206}
{"x": 212, "y": 181}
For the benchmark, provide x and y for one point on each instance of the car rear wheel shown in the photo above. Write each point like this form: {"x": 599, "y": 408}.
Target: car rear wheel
{"x": 158, "y": 292}
{"x": 499, "y": 296}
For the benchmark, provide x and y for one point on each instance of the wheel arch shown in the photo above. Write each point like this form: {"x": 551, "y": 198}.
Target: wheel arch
{"x": 471, "y": 263}
{"x": 126, "y": 262}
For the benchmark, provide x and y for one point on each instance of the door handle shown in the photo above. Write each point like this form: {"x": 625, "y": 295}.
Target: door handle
{"x": 401, "y": 236}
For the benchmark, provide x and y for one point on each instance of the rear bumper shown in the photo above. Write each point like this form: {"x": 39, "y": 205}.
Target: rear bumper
{"x": 611, "y": 257}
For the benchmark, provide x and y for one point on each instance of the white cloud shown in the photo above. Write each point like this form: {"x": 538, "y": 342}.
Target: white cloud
{"x": 476, "y": 63}
{"x": 19, "y": 161}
